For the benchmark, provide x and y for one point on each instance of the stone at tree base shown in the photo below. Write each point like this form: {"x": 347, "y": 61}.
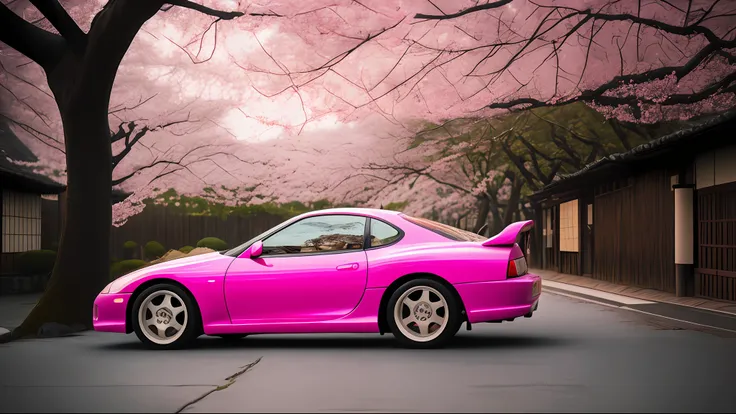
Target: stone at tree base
{"x": 78, "y": 327}
{"x": 53, "y": 330}
{"x": 5, "y": 335}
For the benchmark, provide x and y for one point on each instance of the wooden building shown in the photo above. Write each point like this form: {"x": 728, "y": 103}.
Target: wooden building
{"x": 29, "y": 221}
{"x": 660, "y": 216}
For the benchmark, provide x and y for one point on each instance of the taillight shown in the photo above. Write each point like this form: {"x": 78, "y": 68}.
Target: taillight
{"x": 512, "y": 270}
{"x": 517, "y": 267}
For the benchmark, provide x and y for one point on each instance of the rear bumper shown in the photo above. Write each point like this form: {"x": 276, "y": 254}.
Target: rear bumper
{"x": 108, "y": 314}
{"x": 501, "y": 300}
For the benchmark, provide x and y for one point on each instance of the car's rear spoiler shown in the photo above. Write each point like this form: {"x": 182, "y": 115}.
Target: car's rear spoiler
{"x": 509, "y": 235}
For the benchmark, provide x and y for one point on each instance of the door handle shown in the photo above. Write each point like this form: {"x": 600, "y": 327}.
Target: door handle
{"x": 349, "y": 266}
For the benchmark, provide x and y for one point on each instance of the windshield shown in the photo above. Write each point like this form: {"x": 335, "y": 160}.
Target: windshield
{"x": 236, "y": 251}
{"x": 452, "y": 233}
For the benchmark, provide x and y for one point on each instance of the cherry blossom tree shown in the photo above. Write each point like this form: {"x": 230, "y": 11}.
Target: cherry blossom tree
{"x": 80, "y": 68}
{"x": 156, "y": 140}
{"x": 636, "y": 61}
{"x": 464, "y": 156}
{"x": 487, "y": 167}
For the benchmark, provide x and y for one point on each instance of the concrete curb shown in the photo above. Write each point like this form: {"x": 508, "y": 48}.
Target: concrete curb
{"x": 620, "y": 300}
{"x": 594, "y": 293}
{"x": 723, "y": 322}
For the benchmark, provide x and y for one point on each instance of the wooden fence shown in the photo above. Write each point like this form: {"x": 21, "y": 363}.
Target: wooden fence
{"x": 633, "y": 231}
{"x": 175, "y": 230}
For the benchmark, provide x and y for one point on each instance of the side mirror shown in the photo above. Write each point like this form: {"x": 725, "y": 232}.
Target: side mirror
{"x": 255, "y": 249}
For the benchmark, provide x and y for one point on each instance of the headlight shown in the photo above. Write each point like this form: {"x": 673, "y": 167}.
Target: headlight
{"x": 107, "y": 288}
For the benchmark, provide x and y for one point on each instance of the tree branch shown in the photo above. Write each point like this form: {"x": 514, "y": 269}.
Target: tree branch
{"x": 60, "y": 19}
{"x": 689, "y": 30}
{"x": 480, "y": 7}
{"x": 223, "y": 15}
{"x": 41, "y": 46}
{"x": 519, "y": 163}
{"x": 131, "y": 142}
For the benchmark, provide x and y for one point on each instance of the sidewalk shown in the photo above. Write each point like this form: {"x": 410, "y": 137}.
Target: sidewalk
{"x": 15, "y": 308}
{"x": 635, "y": 292}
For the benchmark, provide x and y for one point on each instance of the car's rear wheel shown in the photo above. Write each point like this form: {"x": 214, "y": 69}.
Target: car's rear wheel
{"x": 165, "y": 317}
{"x": 423, "y": 313}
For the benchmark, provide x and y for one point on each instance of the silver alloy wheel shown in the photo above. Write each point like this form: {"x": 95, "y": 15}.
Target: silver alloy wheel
{"x": 163, "y": 317}
{"x": 426, "y": 319}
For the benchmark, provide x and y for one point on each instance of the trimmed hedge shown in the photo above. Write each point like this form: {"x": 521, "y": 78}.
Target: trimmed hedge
{"x": 36, "y": 262}
{"x": 130, "y": 249}
{"x": 186, "y": 249}
{"x": 154, "y": 250}
{"x": 126, "y": 266}
{"x": 213, "y": 243}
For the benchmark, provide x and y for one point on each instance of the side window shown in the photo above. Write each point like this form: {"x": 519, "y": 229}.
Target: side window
{"x": 382, "y": 233}
{"x": 318, "y": 234}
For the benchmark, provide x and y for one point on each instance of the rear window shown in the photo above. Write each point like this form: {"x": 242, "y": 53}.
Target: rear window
{"x": 452, "y": 233}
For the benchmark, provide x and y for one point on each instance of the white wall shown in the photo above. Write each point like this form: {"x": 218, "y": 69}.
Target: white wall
{"x": 684, "y": 251}
{"x": 716, "y": 167}
{"x": 569, "y": 225}
{"x": 21, "y": 222}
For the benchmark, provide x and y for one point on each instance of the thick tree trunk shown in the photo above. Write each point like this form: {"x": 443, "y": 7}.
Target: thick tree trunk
{"x": 512, "y": 205}
{"x": 81, "y": 70}
{"x": 484, "y": 205}
{"x": 82, "y": 266}
{"x": 496, "y": 222}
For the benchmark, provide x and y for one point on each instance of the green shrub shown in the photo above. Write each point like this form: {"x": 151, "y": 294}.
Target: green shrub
{"x": 126, "y": 266}
{"x": 212, "y": 243}
{"x": 186, "y": 249}
{"x": 130, "y": 249}
{"x": 35, "y": 262}
{"x": 154, "y": 250}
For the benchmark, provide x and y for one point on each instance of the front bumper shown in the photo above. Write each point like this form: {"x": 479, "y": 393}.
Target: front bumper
{"x": 109, "y": 312}
{"x": 501, "y": 300}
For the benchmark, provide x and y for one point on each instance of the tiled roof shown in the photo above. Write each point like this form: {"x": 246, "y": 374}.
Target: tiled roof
{"x": 11, "y": 147}
{"x": 726, "y": 120}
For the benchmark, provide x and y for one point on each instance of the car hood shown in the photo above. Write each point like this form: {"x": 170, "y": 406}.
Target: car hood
{"x": 177, "y": 267}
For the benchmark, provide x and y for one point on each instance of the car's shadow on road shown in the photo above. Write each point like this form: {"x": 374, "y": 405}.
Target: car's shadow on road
{"x": 274, "y": 342}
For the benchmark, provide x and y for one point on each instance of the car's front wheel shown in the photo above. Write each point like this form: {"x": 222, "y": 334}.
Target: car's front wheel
{"x": 424, "y": 313}
{"x": 165, "y": 317}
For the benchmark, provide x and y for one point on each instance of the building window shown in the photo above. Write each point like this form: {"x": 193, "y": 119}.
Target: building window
{"x": 21, "y": 225}
{"x": 569, "y": 240}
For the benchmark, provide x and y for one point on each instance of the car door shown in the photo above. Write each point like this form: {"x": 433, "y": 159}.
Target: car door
{"x": 312, "y": 270}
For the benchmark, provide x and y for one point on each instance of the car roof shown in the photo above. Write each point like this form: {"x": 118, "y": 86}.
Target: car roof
{"x": 371, "y": 212}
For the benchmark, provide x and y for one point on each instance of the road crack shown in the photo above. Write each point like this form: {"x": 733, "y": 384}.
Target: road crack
{"x": 229, "y": 381}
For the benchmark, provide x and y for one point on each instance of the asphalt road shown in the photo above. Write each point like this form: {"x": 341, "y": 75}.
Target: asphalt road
{"x": 572, "y": 356}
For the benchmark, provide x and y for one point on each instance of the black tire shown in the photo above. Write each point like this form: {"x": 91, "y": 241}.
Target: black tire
{"x": 190, "y": 331}
{"x": 231, "y": 337}
{"x": 452, "y": 323}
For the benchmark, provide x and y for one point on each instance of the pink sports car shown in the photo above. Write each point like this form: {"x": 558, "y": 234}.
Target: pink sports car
{"x": 342, "y": 270}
